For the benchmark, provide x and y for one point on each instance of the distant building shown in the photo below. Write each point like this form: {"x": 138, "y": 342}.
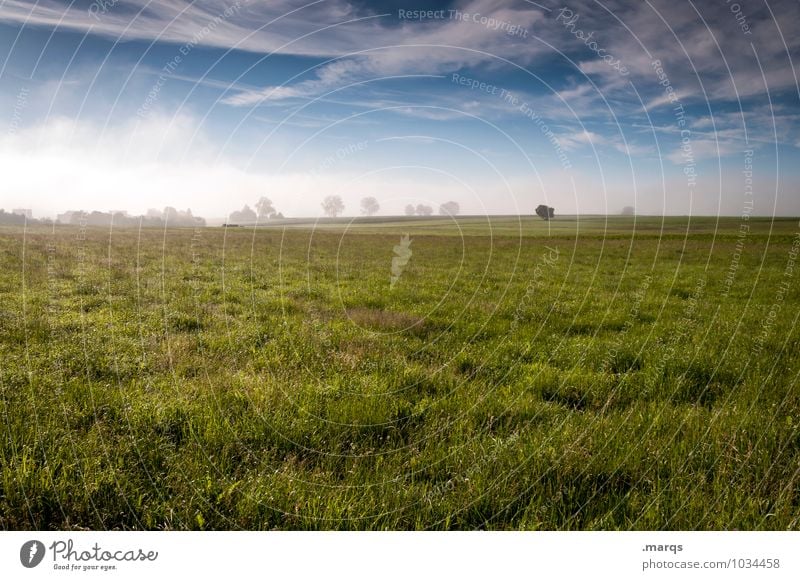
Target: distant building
{"x": 28, "y": 213}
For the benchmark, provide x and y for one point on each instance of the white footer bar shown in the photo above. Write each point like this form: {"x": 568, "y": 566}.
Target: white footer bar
{"x": 400, "y": 555}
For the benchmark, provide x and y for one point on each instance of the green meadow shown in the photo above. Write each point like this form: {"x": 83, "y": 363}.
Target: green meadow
{"x": 586, "y": 373}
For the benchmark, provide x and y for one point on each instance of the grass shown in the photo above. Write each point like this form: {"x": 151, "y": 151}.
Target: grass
{"x": 589, "y": 373}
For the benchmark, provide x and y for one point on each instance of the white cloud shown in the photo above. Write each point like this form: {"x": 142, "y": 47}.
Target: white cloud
{"x": 579, "y": 139}
{"x": 256, "y": 96}
{"x": 631, "y": 150}
{"x": 705, "y": 149}
{"x": 66, "y": 165}
{"x": 678, "y": 98}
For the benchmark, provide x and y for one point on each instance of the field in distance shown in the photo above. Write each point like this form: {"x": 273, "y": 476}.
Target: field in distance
{"x": 526, "y": 226}
{"x": 477, "y": 373}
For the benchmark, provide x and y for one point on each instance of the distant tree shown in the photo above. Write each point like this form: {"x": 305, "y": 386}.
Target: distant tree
{"x": 410, "y": 209}
{"x": 265, "y": 209}
{"x": 545, "y": 212}
{"x": 244, "y": 215}
{"x": 187, "y": 219}
{"x": 332, "y": 205}
{"x": 28, "y": 213}
{"x": 8, "y": 218}
{"x": 170, "y": 215}
{"x": 121, "y": 219}
{"x": 449, "y": 208}
{"x": 628, "y": 210}
{"x": 247, "y": 214}
{"x": 369, "y": 206}
{"x": 278, "y": 216}
{"x": 99, "y": 218}
{"x": 424, "y": 209}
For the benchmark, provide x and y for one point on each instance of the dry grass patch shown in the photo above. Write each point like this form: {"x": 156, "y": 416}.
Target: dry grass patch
{"x": 385, "y": 320}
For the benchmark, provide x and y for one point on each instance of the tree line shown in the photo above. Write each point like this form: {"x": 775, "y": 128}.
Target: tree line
{"x": 332, "y": 206}
{"x": 169, "y": 216}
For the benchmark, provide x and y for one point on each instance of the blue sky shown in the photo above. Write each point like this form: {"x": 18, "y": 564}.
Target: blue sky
{"x": 587, "y": 106}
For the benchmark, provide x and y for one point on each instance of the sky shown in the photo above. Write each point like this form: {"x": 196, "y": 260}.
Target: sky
{"x": 672, "y": 107}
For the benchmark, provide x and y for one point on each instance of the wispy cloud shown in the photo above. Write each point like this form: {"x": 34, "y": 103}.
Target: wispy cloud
{"x": 255, "y": 96}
